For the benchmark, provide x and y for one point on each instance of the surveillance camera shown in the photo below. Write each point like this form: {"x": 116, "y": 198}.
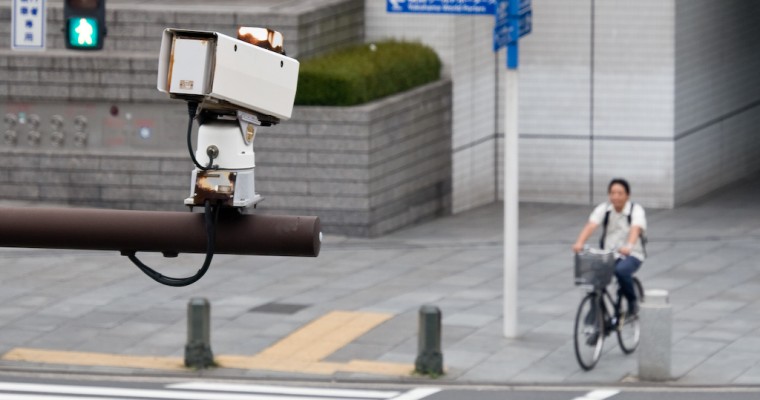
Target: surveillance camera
{"x": 228, "y": 75}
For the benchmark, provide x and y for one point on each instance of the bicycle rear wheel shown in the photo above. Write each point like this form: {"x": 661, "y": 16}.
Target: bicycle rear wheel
{"x": 628, "y": 329}
{"x": 589, "y": 332}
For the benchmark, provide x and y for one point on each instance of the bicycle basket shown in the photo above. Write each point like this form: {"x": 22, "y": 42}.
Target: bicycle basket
{"x": 594, "y": 269}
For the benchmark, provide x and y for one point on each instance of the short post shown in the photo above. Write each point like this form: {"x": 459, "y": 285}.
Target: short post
{"x": 655, "y": 346}
{"x": 198, "y": 348}
{"x": 429, "y": 357}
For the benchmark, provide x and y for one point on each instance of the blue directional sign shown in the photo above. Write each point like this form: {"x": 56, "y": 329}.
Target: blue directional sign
{"x": 471, "y": 7}
{"x": 508, "y": 31}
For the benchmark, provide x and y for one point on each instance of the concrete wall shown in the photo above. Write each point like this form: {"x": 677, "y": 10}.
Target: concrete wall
{"x": 717, "y": 108}
{"x": 364, "y": 170}
{"x": 308, "y": 28}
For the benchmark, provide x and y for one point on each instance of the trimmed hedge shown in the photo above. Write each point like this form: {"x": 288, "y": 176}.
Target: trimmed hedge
{"x": 363, "y": 73}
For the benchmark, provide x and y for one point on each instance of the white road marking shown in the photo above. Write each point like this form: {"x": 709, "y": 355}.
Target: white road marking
{"x": 142, "y": 393}
{"x": 598, "y": 394}
{"x": 16, "y": 396}
{"x": 417, "y": 394}
{"x": 297, "y": 391}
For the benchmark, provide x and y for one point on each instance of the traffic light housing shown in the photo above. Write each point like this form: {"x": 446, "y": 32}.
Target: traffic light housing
{"x": 84, "y": 24}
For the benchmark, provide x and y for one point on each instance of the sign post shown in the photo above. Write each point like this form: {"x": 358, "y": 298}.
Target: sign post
{"x": 28, "y": 25}
{"x": 514, "y": 19}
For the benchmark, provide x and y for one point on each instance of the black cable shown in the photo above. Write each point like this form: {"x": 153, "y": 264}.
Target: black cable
{"x": 192, "y": 108}
{"x": 211, "y": 217}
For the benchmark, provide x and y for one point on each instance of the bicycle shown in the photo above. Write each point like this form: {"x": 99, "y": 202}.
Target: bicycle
{"x": 598, "y": 315}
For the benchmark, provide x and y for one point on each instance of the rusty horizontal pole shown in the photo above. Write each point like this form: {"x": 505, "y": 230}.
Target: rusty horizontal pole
{"x": 155, "y": 231}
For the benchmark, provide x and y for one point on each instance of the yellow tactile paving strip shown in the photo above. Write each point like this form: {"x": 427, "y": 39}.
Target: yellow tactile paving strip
{"x": 302, "y": 351}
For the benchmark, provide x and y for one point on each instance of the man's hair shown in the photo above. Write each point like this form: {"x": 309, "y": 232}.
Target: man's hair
{"x": 620, "y": 181}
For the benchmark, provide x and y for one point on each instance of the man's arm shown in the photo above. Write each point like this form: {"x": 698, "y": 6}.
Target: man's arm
{"x": 584, "y": 235}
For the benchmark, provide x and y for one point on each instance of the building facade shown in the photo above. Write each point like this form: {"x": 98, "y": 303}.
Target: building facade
{"x": 662, "y": 92}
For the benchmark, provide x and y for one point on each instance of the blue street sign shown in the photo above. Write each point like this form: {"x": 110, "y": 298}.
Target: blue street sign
{"x": 503, "y": 11}
{"x": 471, "y": 7}
{"x": 511, "y": 29}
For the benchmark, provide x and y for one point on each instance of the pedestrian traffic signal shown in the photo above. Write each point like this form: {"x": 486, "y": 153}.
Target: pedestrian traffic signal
{"x": 85, "y": 24}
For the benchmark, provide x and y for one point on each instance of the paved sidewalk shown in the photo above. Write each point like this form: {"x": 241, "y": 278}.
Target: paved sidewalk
{"x": 81, "y": 306}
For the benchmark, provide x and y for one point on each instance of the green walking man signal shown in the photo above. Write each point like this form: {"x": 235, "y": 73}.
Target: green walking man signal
{"x": 85, "y": 24}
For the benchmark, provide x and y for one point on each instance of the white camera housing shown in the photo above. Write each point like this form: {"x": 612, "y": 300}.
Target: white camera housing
{"x": 221, "y": 72}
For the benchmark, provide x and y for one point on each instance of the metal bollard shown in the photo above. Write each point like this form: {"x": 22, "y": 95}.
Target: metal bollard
{"x": 656, "y": 323}
{"x": 429, "y": 357}
{"x": 198, "y": 348}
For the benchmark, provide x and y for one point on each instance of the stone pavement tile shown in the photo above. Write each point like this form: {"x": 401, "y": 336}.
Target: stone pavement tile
{"x": 749, "y": 377}
{"x": 682, "y": 363}
{"x": 480, "y": 343}
{"x": 98, "y": 319}
{"x": 235, "y": 342}
{"x": 701, "y": 315}
{"x": 613, "y": 366}
{"x": 109, "y": 343}
{"x": 748, "y": 344}
{"x": 68, "y": 309}
{"x": 410, "y": 345}
{"x": 452, "y": 305}
{"x": 66, "y": 337}
{"x": 558, "y": 326}
{"x": 703, "y": 347}
{"x": 408, "y": 301}
{"x": 477, "y": 294}
{"x": 32, "y": 301}
{"x": 395, "y": 331}
{"x": 468, "y": 319}
{"x": 399, "y": 356}
{"x": 360, "y": 351}
{"x": 556, "y": 367}
{"x": 494, "y": 372}
{"x": 684, "y": 328}
{"x": 162, "y": 315}
{"x": 723, "y": 367}
{"x": 139, "y": 329}
{"x": 15, "y": 337}
{"x": 39, "y": 323}
{"x": 451, "y": 334}
{"x": 463, "y": 360}
{"x": 9, "y": 314}
{"x": 319, "y": 295}
{"x": 718, "y": 335}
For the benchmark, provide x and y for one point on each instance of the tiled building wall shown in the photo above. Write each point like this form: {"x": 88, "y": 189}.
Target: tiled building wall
{"x": 717, "y": 108}
{"x": 464, "y": 44}
{"x": 596, "y": 101}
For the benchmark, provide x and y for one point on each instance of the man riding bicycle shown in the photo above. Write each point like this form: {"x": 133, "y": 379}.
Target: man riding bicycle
{"x": 624, "y": 224}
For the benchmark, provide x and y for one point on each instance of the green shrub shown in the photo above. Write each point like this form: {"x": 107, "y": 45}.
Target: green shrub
{"x": 363, "y": 73}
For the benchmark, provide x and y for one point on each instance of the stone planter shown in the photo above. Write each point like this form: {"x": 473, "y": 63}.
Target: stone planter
{"x": 365, "y": 170}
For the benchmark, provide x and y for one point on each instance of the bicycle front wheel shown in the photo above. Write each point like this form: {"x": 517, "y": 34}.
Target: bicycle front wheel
{"x": 628, "y": 329}
{"x": 589, "y": 332}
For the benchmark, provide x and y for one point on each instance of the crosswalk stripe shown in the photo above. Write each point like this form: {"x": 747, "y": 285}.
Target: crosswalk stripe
{"x": 598, "y": 394}
{"x": 141, "y": 393}
{"x": 417, "y": 394}
{"x": 300, "y": 391}
{"x": 16, "y": 396}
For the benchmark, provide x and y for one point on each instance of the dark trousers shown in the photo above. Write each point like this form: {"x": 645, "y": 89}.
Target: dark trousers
{"x": 624, "y": 269}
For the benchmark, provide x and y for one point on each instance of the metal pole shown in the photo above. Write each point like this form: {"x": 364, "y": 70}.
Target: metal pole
{"x": 511, "y": 199}
{"x": 166, "y": 232}
{"x": 198, "y": 352}
{"x": 429, "y": 357}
